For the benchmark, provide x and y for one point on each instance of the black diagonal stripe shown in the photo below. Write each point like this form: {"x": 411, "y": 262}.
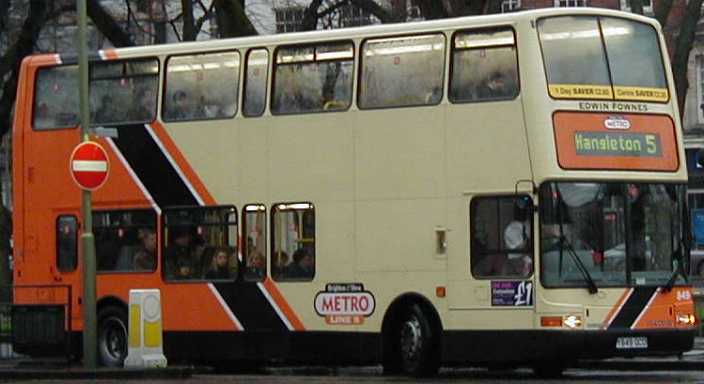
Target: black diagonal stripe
{"x": 250, "y": 306}
{"x": 166, "y": 187}
{"x": 633, "y": 307}
{"x": 152, "y": 167}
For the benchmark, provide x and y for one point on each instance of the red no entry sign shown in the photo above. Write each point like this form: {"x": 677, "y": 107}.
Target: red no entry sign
{"x": 89, "y": 165}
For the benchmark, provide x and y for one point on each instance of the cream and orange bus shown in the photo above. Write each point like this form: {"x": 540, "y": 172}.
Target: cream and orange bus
{"x": 495, "y": 190}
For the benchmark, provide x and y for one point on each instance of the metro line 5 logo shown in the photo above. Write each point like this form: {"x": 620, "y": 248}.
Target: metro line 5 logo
{"x": 344, "y": 304}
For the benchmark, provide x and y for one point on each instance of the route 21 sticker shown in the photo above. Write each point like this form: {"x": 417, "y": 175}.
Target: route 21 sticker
{"x": 512, "y": 293}
{"x": 344, "y": 304}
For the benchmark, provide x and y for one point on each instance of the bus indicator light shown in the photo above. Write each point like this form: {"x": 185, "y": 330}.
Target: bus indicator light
{"x": 551, "y": 321}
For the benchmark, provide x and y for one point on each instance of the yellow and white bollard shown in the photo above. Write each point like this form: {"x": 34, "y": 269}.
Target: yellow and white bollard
{"x": 145, "y": 334}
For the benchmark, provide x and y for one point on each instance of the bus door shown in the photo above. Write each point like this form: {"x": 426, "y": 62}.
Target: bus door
{"x": 498, "y": 293}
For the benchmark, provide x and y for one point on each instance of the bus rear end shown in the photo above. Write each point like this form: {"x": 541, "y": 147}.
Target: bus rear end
{"x": 613, "y": 246}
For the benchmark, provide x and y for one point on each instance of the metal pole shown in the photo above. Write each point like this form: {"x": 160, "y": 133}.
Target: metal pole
{"x": 87, "y": 239}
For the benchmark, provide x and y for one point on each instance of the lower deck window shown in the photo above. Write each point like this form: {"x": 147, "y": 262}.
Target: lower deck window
{"x": 125, "y": 240}
{"x": 293, "y": 242}
{"x": 200, "y": 244}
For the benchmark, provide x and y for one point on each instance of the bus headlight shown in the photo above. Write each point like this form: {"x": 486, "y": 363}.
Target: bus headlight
{"x": 572, "y": 321}
{"x": 685, "y": 319}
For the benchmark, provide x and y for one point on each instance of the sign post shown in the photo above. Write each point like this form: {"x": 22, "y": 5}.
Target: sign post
{"x": 90, "y": 344}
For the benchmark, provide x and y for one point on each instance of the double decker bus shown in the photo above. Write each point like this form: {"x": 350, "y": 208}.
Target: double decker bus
{"x": 493, "y": 190}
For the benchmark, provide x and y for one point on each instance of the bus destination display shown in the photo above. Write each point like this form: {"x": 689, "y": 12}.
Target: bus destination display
{"x": 609, "y": 141}
{"x": 617, "y": 144}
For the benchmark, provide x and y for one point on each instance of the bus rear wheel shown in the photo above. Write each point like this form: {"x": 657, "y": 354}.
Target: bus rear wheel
{"x": 112, "y": 336}
{"x": 417, "y": 343}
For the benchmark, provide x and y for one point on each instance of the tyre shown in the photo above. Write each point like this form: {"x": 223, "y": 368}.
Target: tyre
{"x": 112, "y": 336}
{"x": 416, "y": 344}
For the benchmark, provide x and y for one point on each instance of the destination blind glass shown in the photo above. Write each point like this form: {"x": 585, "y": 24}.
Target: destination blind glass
{"x": 604, "y": 58}
{"x": 615, "y": 142}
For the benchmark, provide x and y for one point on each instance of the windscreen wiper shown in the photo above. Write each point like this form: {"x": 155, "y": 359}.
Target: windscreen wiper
{"x": 678, "y": 270}
{"x": 591, "y": 285}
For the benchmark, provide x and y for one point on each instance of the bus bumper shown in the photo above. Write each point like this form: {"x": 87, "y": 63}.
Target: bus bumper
{"x": 527, "y": 346}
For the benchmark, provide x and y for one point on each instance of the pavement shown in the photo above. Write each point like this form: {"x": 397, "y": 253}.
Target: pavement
{"x": 22, "y": 368}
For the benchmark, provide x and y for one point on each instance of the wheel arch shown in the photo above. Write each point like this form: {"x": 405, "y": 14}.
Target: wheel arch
{"x": 110, "y": 301}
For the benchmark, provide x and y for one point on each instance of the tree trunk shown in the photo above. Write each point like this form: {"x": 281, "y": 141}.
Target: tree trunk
{"x": 636, "y": 6}
{"x": 432, "y": 9}
{"x": 662, "y": 11}
{"x": 232, "y": 21}
{"x": 189, "y": 23}
{"x": 36, "y": 18}
{"x": 5, "y": 274}
{"x": 683, "y": 47}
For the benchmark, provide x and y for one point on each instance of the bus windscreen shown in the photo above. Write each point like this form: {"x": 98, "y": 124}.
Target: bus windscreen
{"x": 602, "y": 58}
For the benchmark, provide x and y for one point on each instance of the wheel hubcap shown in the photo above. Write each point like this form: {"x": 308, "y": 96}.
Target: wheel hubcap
{"x": 114, "y": 340}
{"x": 411, "y": 339}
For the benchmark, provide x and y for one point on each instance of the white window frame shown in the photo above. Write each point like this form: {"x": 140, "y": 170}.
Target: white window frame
{"x": 700, "y": 87}
{"x": 510, "y": 5}
{"x": 647, "y": 6}
{"x": 570, "y": 3}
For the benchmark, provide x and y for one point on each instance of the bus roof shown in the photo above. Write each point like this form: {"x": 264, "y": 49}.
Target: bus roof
{"x": 374, "y": 30}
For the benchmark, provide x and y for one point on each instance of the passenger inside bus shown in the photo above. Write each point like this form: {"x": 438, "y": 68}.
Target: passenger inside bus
{"x": 496, "y": 86}
{"x": 255, "y": 264}
{"x": 279, "y": 264}
{"x": 303, "y": 265}
{"x": 181, "y": 254}
{"x": 146, "y": 108}
{"x": 181, "y": 106}
{"x": 219, "y": 265}
{"x": 144, "y": 258}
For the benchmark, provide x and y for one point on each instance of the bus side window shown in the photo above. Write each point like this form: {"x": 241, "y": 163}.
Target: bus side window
{"x": 125, "y": 241}
{"x": 501, "y": 237}
{"x": 66, "y": 243}
{"x": 123, "y": 91}
{"x": 56, "y": 98}
{"x": 254, "y": 241}
{"x": 484, "y": 66}
{"x": 313, "y": 79}
{"x": 293, "y": 242}
{"x": 200, "y": 244}
{"x": 255, "y": 82}
{"x": 201, "y": 87}
{"x": 402, "y": 71}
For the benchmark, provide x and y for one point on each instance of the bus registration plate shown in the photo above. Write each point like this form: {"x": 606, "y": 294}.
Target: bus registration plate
{"x": 632, "y": 343}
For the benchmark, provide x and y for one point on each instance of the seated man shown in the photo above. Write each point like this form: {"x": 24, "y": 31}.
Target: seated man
{"x": 303, "y": 266}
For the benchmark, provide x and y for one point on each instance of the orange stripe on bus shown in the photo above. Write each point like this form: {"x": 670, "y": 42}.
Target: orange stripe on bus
{"x": 182, "y": 163}
{"x": 296, "y": 323}
{"x": 616, "y": 308}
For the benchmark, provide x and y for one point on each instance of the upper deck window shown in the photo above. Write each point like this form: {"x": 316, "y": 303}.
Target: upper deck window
{"x": 56, "y": 98}
{"x": 602, "y": 58}
{"x": 484, "y": 66}
{"x": 201, "y": 87}
{"x": 124, "y": 91}
{"x": 313, "y": 78}
{"x": 402, "y": 71}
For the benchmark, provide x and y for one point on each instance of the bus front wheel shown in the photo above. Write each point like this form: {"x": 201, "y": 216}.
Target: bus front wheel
{"x": 112, "y": 336}
{"x": 417, "y": 342}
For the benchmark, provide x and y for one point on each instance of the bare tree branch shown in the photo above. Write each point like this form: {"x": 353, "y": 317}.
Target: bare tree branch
{"x": 310, "y": 16}
{"x": 371, "y": 7}
{"x": 683, "y": 47}
{"x": 107, "y": 25}
{"x": 204, "y": 18}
